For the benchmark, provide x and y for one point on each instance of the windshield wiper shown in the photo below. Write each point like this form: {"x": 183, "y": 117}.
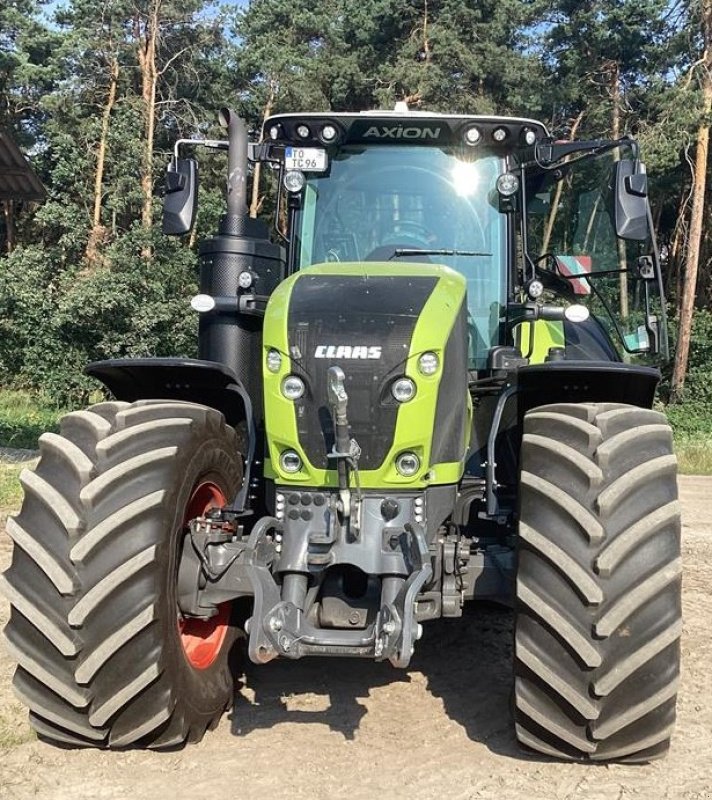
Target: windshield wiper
{"x": 402, "y": 252}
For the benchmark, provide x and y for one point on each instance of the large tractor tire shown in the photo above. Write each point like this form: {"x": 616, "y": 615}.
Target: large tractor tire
{"x": 598, "y": 617}
{"x": 104, "y": 658}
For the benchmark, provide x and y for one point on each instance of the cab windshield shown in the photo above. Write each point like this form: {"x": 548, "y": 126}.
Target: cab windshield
{"x": 377, "y": 201}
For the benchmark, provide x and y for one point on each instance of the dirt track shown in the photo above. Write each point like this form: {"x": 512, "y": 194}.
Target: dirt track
{"x": 333, "y": 728}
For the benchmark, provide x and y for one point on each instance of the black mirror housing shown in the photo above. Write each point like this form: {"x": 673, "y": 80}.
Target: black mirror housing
{"x": 180, "y": 203}
{"x": 631, "y": 201}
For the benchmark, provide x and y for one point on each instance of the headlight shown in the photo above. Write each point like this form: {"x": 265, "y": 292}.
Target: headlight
{"x": 274, "y": 360}
{"x": 428, "y": 364}
{"x": 535, "y": 289}
{"x": 294, "y": 181}
{"x": 507, "y": 184}
{"x": 292, "y": 387}
{"x": 407, "y": 464}
{"x": 290, "y": 461}
{"x": 403, "y": 390}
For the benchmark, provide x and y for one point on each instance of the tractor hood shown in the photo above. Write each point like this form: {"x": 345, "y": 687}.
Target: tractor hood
{"x": 374, "y": 321}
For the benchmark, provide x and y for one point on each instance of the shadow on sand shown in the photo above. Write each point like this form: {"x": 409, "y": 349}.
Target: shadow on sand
{"x": 467, "y": 663}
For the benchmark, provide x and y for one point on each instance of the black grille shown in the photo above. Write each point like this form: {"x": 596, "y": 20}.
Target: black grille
{"x": 352, "y": 311}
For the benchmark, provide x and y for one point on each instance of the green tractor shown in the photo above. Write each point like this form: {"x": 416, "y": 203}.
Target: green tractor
{"x": 426, "y": 379}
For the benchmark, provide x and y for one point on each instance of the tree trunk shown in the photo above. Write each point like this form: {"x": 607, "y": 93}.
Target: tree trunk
{"x": 557, "y": 193}
{"x": 673, "y": 287}
{"x": 616, "y": 100}
{"x": 147, "y": 51}
{"x": 8, "y": 209}
{"x": 255, "y": 199}
{"x": 97, "y": 229}
{"x": 689, "y": 285}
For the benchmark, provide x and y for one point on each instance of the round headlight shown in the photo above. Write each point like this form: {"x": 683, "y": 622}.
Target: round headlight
{"x": 500, "y": 134}
{"x": 294, "y": 181}
{"x": 274, "y": 360}
{"x": 407, "y": 464}
{"x": 290, "y": 461}
{"x": 292, "y": 387}
{"x": 428, "y": 364}
{"x": 403, "y": 390}
{"x": 535, "y": 289}
{"x": 202, "y": 303}
{"x": 473, "y": 136}
{"x": 328, "y": 133}
{"x": 244, "y": 279}
{"x": 507, "y": 184}
{"x": 303, "y": 131}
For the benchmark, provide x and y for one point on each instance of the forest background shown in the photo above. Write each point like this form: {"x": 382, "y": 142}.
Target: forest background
{"x": 97, "y": 91}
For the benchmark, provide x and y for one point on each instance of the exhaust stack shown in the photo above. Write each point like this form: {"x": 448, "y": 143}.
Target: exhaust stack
{"x": 239, "y": 268}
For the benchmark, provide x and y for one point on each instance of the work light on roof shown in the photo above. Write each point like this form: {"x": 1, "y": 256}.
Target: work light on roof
{"x": 328, "y": 133}
{"x": 303, "y": 131}
{"x": 473, "y": 136}
{"x": 500, "y": 134}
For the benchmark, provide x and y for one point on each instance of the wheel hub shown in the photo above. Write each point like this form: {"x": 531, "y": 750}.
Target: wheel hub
{"x": 201, "y": 639}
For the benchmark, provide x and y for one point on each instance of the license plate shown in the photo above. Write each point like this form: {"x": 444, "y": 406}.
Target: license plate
{"x": 306, "y": 159}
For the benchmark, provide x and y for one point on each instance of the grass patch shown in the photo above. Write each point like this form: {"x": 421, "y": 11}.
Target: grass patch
{"x": 24, "y": 418}
{"x": 14, "y": 727}
{"x": 10, "y": 491}
{"x": 694, "y": 456}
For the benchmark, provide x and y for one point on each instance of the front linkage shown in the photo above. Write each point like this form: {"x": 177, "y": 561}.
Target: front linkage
{"x": 380, "y": 535}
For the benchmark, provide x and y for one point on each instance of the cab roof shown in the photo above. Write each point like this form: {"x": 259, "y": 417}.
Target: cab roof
{"x": 402, "y": 126}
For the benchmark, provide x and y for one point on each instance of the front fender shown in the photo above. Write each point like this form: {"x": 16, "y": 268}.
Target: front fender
{"x": 188, "y": 379}
{"x": 205, "y": 382}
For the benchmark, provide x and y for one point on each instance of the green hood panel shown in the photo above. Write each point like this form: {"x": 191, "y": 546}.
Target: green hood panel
{"x": 374, "y": 320}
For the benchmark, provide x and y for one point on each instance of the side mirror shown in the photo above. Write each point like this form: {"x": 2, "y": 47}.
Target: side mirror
{"x": 180, "y": 203}
{"x": 631, "y": 202}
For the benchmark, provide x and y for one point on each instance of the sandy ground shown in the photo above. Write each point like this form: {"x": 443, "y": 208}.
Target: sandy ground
{"x": 336, "y": 728}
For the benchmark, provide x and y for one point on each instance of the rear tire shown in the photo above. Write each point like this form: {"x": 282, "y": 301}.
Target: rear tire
{"x": 94, "y": 621}
{"x": 598, "y": 609}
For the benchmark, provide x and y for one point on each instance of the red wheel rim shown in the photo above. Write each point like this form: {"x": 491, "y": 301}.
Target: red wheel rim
{"x": 202, "y": 640}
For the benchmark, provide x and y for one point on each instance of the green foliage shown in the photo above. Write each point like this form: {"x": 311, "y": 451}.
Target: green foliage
{"x": 692, "y": 417}
{"x": 62, "y": 304}
{"x": 10, "y": 496}
{"x": 55, "y": 318}
{"x": 24, "y": 417}
{"x": 694, "y": 456}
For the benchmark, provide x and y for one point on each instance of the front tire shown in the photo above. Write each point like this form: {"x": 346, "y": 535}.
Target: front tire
{"x": 103, "y": 658}
{"x": 598, "y": 614}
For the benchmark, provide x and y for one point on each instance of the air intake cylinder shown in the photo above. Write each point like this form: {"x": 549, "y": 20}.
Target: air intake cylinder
{"x": 240, "y": 248}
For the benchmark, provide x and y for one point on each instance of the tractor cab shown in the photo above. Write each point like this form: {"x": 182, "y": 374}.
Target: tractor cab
{"x": 521, "y": 217}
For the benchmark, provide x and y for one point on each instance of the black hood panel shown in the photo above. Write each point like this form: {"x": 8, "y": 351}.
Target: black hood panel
{"x": 364, "y": 324}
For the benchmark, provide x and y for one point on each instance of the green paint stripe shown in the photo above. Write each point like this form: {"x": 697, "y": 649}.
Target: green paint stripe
{"x": 545, "y": 334}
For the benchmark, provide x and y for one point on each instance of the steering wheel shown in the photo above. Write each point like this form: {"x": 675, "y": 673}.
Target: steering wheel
{"x": 411, "y": 232}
